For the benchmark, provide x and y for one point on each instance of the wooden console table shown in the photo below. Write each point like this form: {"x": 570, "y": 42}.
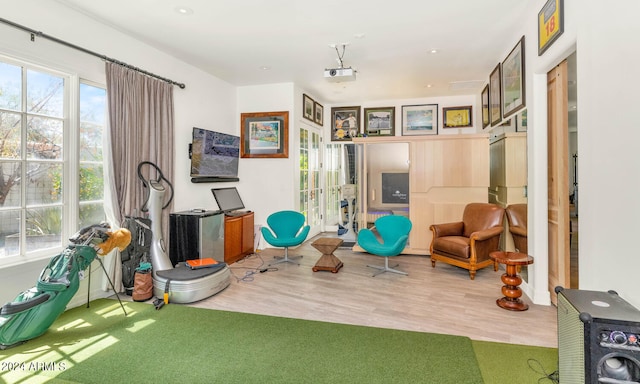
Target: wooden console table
{"x": 328, "y": 261}
{"x": 511, "y": 280}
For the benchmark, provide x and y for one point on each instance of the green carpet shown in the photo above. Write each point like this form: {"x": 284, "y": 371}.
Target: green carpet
{"x": 181, "y": 344}
{"x": 511, "y": 363}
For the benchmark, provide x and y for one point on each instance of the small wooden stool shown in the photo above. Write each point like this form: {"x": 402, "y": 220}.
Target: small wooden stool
{"x": 328, "y": 261}
{"x": 511, "y": 280}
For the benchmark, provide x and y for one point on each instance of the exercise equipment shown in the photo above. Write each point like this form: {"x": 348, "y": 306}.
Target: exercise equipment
{"x": 349, "y": 194}
{"x": 179, "y": 284}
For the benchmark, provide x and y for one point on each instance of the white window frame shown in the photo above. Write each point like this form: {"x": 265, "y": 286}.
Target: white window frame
{"x": 70, "y": 161}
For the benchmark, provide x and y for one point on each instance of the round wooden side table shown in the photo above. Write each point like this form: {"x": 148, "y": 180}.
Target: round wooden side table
{"x": 511, "y": 289}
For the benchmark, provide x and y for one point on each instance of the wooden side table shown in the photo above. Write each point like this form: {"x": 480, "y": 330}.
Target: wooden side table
{"x": 328, "y": 261}
{"x": 511, "y": 289}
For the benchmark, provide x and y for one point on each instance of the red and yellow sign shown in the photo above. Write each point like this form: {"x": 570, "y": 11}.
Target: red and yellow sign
{"x": 550, "y": 24}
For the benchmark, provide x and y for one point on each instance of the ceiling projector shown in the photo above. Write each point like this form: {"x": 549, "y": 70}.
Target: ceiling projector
{"x": 340, "y": 74}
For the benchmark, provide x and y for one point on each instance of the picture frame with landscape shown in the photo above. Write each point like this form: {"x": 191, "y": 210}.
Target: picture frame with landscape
{"x": 513, "y": 80}
{"x": 420, "y": 120}
{"x": 264, "y": 135}
{"x": 307, "y": 107}
{"x": 495, "y": 96}
{"x": 484, "y": 97}
{"x": 318, "y": 112}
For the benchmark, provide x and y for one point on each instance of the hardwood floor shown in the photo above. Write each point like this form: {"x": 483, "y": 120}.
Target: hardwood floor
{"x": 438, "y": 300}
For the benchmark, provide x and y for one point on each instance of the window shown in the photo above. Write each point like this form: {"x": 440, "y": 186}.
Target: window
{"x": 50, "y": 162}
{"x": 93, "y": 106}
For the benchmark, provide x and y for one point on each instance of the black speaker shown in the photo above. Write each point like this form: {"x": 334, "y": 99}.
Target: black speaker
{"x": 598, "y": 338}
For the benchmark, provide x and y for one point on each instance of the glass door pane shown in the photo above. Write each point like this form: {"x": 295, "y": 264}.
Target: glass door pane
{"x": 309, "y": 169}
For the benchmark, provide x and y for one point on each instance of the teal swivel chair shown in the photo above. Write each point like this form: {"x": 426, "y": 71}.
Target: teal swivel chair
{"x": 286, "y": 229}
{"x": 394, "y": 232}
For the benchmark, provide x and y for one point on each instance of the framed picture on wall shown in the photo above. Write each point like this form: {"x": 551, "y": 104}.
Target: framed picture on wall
{"x": 345, "y": 123}
{"x": 485, "y": 107}
{"x": 307, "y": 107}
{"x": 521, "y": 121}
{"x": 419, "y": 120}
{"x": 495, "y": 96}
{"x": 513, "y": 81}
{"x": 318, "y": 114}
{"x": 457, "y": 117}
{"x": 379, "y": 121}
{"x": 264, "y": 134}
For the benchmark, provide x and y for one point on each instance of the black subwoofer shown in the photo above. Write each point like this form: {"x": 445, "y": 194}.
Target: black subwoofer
{"x": 598, "y": 338}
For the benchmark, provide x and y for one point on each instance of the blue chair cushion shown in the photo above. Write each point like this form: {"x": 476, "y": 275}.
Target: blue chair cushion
{"x": 286, "y": 229}
{"x": 394, "y": 233}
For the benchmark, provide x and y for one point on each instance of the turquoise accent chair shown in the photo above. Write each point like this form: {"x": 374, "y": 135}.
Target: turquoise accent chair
{"x": 394, "y": 232}
{"x": 286, "y": 229}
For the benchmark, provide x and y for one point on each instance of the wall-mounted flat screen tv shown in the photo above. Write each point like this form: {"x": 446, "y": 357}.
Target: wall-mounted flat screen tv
{"x": 214, "y": 154}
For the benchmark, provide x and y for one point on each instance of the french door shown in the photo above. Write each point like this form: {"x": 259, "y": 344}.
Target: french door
{"x": 332, "y": 165}
{"x": 310, "y": 178}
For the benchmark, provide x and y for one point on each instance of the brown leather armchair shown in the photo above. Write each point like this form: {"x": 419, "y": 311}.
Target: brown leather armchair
{"x": 517, "y": 219}
{"x": 467, "y": 243}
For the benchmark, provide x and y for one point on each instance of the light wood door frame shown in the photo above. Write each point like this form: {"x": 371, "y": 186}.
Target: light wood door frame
{"x": 558, "y": 178}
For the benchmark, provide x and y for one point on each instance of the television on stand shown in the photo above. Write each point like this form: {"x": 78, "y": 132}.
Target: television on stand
{"x": 215, "y": 156}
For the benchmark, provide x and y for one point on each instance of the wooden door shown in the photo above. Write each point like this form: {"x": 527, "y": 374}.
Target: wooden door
{"x": 558, "y": 176}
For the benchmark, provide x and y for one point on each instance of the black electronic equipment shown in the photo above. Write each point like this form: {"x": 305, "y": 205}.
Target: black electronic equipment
{"x": 196, "y": 235}
{"x": 214, "y": 156}
{"x": 228, "y": 199}
{"x": 598, "y": 338}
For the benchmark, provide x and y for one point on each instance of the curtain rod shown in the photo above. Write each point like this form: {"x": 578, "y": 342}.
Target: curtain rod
{"x": 35, "y": 33}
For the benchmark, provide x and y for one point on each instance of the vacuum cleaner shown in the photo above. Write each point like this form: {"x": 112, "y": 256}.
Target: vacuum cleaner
{"x": 33, "y": 311}
{"x": 178, "y": 284}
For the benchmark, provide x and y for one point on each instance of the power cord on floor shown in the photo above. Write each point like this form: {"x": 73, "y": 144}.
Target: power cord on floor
{"x": 251, "y": 271}
{"x": 552, "y": 377}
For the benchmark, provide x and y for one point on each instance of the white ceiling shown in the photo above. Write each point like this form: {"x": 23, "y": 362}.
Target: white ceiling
{"x": 389, "y": 42}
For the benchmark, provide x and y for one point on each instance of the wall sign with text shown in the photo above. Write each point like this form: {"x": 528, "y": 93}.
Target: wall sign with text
{"x": 550, "y": 24}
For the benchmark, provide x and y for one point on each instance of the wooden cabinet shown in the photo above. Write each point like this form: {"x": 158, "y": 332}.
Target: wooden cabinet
{"x": 446, "y": 172}
{"x": 238, "y": 237}
{"x": 508, "y": 169}
{"x": 508, "y": 175}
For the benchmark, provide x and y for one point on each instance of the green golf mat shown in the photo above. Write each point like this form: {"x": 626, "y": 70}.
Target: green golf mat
{"x": 182, "y": 344}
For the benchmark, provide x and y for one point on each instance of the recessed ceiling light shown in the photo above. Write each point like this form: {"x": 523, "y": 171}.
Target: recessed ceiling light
{"x": 359, "y": 35}
{"x": 428, "y": 86}
{"x": 184, "y": 10}
{"x": 433, "y": 51}
{"x": 265, "y": 67}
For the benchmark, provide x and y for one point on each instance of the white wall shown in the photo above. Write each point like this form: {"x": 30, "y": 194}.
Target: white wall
{"x": 266, "y": 184}
{"x": 205, "y": 102}
{"x": 607, "y": 142}
{"x": 608, "y": 138}
{"x": 605, "y": 38}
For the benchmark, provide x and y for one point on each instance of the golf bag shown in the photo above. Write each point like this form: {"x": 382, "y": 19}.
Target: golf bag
{"x": 33, "y": 311}
{"x": 138, "y": 250}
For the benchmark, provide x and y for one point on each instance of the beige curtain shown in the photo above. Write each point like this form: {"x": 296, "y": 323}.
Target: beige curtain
{"x": 142, "y": 127}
